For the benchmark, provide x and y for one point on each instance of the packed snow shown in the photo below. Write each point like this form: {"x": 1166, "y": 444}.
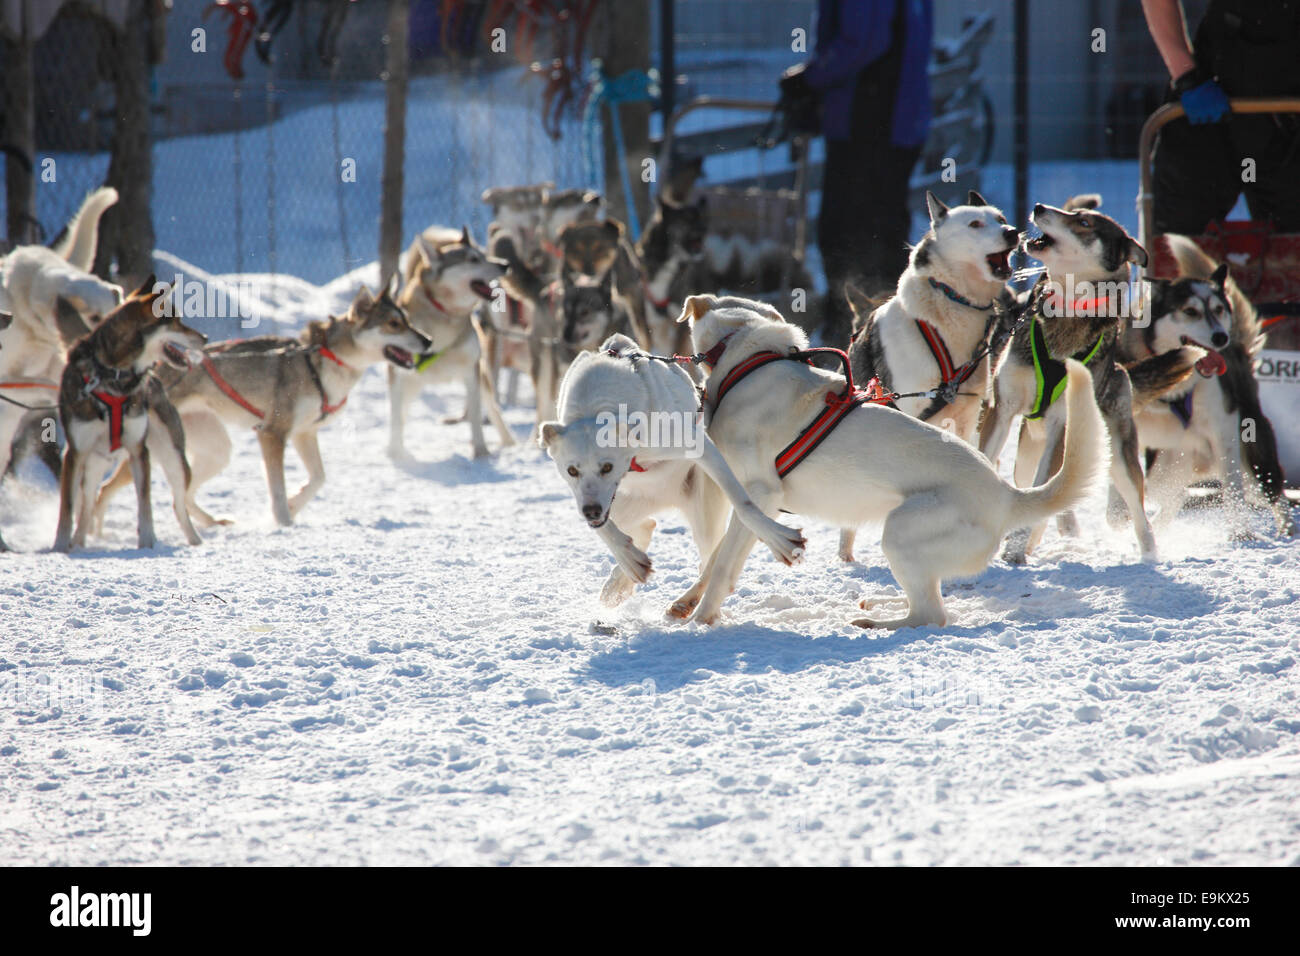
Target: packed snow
{"x": 418, "y": 672}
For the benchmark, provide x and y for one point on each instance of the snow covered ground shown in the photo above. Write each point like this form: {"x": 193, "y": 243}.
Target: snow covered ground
{"x": 418, "y": 672}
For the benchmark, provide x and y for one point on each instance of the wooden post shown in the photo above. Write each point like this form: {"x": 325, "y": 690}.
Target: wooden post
{"x": 126, "y": 231}
{"x": 19, "y": 136}
{"x": 627, "y": 48}
{"x": 390, "y": 225}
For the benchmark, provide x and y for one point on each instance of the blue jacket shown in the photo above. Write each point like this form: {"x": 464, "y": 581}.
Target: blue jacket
{"x": 853, "y": 34}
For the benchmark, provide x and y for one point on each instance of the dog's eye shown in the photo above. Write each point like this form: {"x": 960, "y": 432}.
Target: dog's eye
{"x": 977, "y": 224}
{"x": 573, "y": 471}
{"x": 606, "y": 468}
{"x": 1085, "y": 222}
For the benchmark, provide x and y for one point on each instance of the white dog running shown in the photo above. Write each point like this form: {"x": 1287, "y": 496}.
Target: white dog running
{"x": 599, "y": 455}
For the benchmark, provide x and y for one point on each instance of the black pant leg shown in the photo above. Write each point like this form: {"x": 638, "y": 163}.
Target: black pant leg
{"x": 1197, "y": 176}
{"x": 1274, "y": 144}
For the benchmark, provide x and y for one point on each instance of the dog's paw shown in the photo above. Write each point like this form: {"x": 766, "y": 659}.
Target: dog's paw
{"x": 635, "y": 563}
{"x": 682, "y": 608}
{"x": 847, "y": 557}
{"x": 708, "y": 620}
{"x": 147, "y": 543}
{"x": 481, "y": 452}
{"x": 1013, "y": 556}
{"x": 865, "y": 623}
{"x": 788, "y": 544}
{"x": 618, "y": 588}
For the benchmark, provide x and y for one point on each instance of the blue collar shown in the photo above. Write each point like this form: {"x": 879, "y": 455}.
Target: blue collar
{"x": 956, "y": 296}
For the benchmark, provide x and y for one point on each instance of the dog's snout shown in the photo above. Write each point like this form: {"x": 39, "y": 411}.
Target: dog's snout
{"x": 1219, "y": 339}
{"x": 1010, "y": 232}
{"x": 592, "y": 512}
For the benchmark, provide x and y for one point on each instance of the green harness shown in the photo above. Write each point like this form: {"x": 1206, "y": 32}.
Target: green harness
{"x": 1049, "y": 374}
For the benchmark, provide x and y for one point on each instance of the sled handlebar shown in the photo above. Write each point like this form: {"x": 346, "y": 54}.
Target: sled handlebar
{"x": 1167, "y": 114}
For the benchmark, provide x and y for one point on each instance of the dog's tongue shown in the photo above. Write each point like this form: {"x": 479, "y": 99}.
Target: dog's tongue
{"x": 1212, "y": 364}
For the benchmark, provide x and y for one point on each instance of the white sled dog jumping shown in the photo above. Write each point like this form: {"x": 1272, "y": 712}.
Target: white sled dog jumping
{"x": 944, "y": 508}
{"x": 34, "y": 278}
{"x": 620, "y": 479}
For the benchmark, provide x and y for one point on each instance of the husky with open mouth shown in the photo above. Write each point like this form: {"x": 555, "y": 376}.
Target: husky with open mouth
{"x": 109, "y": 401}
{"x": 287, "y": 390}
{"x": 1085, "y": 251}
{"x": 935, "y": 328}
{"x": 449, "y": 277}
{"x": 1195, "y": 431}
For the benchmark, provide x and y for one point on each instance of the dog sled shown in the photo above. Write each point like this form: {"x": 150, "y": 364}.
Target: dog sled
{"x": 758, "y": 220}
{"x": 1265, "y": 264}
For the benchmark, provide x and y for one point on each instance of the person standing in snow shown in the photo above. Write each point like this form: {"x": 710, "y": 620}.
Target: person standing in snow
{"x": 869, "y": 72}
{"x": 1243, "y": 48}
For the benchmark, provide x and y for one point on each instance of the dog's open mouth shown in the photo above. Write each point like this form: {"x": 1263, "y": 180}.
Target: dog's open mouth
{"x": 176, "y": 355}
{"x": 481, "y": 289}
{"x": 1000, "y": 264}
{"x": 1213, "y": 364}
{"x": 399, "y": 356}
{"x": 1039, "y": 243}
{"x": 600, "y": 523}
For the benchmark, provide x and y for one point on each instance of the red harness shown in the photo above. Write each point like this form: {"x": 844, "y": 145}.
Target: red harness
{"x": 838, "y": 404}
{"x": 114, "y": 405}
{"x": 232, "y": 393}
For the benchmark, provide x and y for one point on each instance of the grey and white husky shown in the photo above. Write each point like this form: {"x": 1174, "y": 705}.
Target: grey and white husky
{"x": 1076, "y": 311}
{"x": 449, "y": 277}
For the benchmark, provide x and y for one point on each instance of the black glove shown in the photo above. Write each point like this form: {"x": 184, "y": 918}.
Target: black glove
{"x": 794, "y": 82}
{"x": 799, "y": 103}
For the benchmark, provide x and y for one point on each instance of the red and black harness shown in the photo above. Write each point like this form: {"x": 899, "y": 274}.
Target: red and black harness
{"x": 838, "y": 404}
{"x": 123, "y": 382}
{"x": 326, "y": 408}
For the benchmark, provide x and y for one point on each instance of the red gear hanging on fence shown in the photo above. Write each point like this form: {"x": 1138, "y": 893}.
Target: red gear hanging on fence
{"x": 239, "y": 31}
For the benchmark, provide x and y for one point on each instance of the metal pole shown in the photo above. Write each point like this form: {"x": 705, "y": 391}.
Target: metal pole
{"x": 1022, "y": 111}
{"x": 667, "y": 59}
{"x": 393, "y": 183}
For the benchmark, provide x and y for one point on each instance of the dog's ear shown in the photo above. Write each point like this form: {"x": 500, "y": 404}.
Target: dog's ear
{"x": 938, "y": 211}
{"x": 71, "y": 325}
{"x": 1136, "y": 253}
{"x": 695, "y": 306}
{"x": 6, "y": 320}
{"x": 548, "y": 432}
{"x": 1084, "y": 201}
{"x": 975, "y": 199}
{"x": 861, "y": 304}
{"x": 363, "y": 299}
{"x": 465, "y": 237}
{"x": 1220, "y": 275}
{"x": 146, "y": 288}
{"x": 427, "y": 250}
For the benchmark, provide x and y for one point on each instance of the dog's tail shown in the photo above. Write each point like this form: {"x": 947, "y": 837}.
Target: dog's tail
{"x": 1085, "y": 459}
{"x": 78, "y": 241}
{"x": 1195, "y": 262}
{"x": 1154, "y": 376}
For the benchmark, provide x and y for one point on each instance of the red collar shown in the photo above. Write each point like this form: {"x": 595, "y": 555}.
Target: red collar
{"x": 635, "y": 466}
{"x": 713, "y": 355}
{"x": 335, "y": 359}
{"x": 660, "y": 304}
{"x": 434, "y": 302}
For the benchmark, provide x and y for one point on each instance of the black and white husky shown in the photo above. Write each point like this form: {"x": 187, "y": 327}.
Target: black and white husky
{"x": 1212, "y": 425}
